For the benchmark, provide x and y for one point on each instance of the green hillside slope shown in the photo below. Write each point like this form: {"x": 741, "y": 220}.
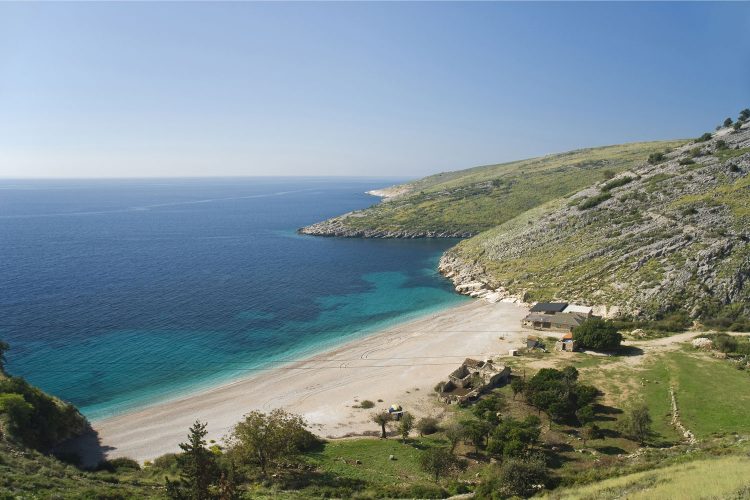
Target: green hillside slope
{"x": 671, "y": 235}
{"x": 466, "y": 202}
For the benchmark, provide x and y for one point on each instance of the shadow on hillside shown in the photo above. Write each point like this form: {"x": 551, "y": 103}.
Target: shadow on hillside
{"x": 610, "y": 450}
{"x": 85, "y": 451}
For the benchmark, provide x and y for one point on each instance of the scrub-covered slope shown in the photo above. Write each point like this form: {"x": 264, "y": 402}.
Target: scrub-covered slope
{"x": 668, "y": 234}
{"x": 466, "y": 202}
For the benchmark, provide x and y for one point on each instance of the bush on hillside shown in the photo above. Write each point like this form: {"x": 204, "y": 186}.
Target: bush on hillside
{"x": 655, "y": 158}
{"x": 427, "y": 426}
{"x": 598, "y": 335}
{"x": 514, "y": 438}
{"x": 615, "y": 183}
{"x": 594, "y": 201}
{"x": 558, "y": 392}
{"x": 36, "y": 419}
{"x": 517, "y": 477}
{"x": 705, "y": 137}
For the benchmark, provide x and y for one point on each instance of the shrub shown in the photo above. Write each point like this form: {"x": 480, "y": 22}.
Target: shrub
{"x": 260, "y": 439}
{"x": 737, "y": 126}
{"x": 439, "y": 462}
{"x": 597, "y": 334}
{"x": 705, "y": 137}
{"x": 721, "y": 144}
{"x": 427, "y": 426}
{"x": 614, "y": 183}
{"x": 366, "y": 404}
{"x": 728, "y": 122}
{"x": 687, "y": 161}
{"x": 655, "y": 158}
{"x": 744, "y": 115}
{"x": 517, "y": 477}
{"x": 594, "y": 201}
{"x": 116, "y": 464}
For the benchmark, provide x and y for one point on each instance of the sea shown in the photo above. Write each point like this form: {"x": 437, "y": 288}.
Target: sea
{"x": 118, "y": 294}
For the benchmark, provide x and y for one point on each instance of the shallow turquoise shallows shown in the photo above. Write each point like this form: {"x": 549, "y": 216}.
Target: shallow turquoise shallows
{"x": 118, "y": 294}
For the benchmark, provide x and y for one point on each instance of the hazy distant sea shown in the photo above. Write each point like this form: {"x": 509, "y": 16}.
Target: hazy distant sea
{"x": 116, "y": 294}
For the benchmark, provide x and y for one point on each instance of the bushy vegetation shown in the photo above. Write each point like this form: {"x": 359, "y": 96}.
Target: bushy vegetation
{"x": 558, "y": 393}
{"x": 473, "y": 200}
{"x": 705, "y": 137}
{"x": 655, "y": 158}
{"x": 593, "y": 201}
{"x": 615, "y": 183}
{"x": 597, "y": 334}
{"x": 516, "y": 477}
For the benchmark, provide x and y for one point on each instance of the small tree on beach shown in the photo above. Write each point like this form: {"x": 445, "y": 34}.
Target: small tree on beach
{"x": 382, "y": 419}
{"x": 405, "y": 425}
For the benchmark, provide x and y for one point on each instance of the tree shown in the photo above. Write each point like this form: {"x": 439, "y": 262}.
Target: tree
{"x": 636, "y": 424}
{"x": 737, "y": 126}
{"x": 514, "y": 437}
{"x": 405, "y": 425}
{"x": 427, "y": 426}
{"x": 382, "y": 418}
{"x": 728, "y": 122}
{"x": 454, "y": 432}
{"x": 476, "y": 431}
{"x": 517, "y": 477}
{"x": 590, "y": 431}
{"x": 744, "y": 115}
{"x": 15, "y": 411}
{"x": 439, "y": 462}
{"x": 597, "y": 334}
{"x": 517, "y": 385}
{"x": 4, "y": 347}
{"x": 489, "y": 407}
{"x": 585, "y": 414}
{"x": 261, "y": 439}
{"x": 198, "y": 468}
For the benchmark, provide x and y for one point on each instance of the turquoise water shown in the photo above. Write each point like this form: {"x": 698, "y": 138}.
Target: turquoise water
{"x": 118, "y": 294}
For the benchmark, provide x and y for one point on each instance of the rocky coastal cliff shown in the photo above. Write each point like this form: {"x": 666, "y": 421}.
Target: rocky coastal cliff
{"x": 671, "y": 234}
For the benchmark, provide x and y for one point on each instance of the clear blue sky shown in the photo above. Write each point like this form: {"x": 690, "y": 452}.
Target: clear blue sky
{"x": 388, "y": 89}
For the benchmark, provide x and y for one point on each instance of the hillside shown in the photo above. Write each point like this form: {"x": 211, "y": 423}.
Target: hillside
{"x": 466, "y": 202}
{"x": 666, "y": 235}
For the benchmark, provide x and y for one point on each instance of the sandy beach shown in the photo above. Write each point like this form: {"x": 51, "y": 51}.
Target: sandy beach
{"x": 399, "y": 365}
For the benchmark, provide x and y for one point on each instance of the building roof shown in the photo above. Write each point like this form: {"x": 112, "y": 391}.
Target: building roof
{"x": 549, "y": 307}
{"x": 557, "y": 319}
{"x": 575, "y": 308}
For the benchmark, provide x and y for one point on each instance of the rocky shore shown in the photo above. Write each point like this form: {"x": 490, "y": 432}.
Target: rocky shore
{"x": 342, "y": 227}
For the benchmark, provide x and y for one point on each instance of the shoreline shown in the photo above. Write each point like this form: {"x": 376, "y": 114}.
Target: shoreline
{"x": 401, "y": 363}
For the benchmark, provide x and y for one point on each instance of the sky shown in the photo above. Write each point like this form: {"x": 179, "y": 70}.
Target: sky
{"x": 354, "y": 89}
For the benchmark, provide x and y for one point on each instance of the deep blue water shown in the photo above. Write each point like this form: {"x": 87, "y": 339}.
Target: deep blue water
{"x": 117, "y": 294}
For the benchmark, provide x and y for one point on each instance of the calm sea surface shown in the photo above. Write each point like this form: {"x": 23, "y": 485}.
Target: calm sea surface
{"x": 117, "y": 294}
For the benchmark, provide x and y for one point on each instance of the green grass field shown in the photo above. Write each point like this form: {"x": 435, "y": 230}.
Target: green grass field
{"x": 719, "y": 478}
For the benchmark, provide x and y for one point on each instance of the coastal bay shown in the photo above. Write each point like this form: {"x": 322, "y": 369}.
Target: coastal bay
{"x": 400, "y": 365}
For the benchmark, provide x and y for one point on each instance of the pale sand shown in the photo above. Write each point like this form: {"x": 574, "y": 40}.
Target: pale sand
{"x": 399, "y": 365}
